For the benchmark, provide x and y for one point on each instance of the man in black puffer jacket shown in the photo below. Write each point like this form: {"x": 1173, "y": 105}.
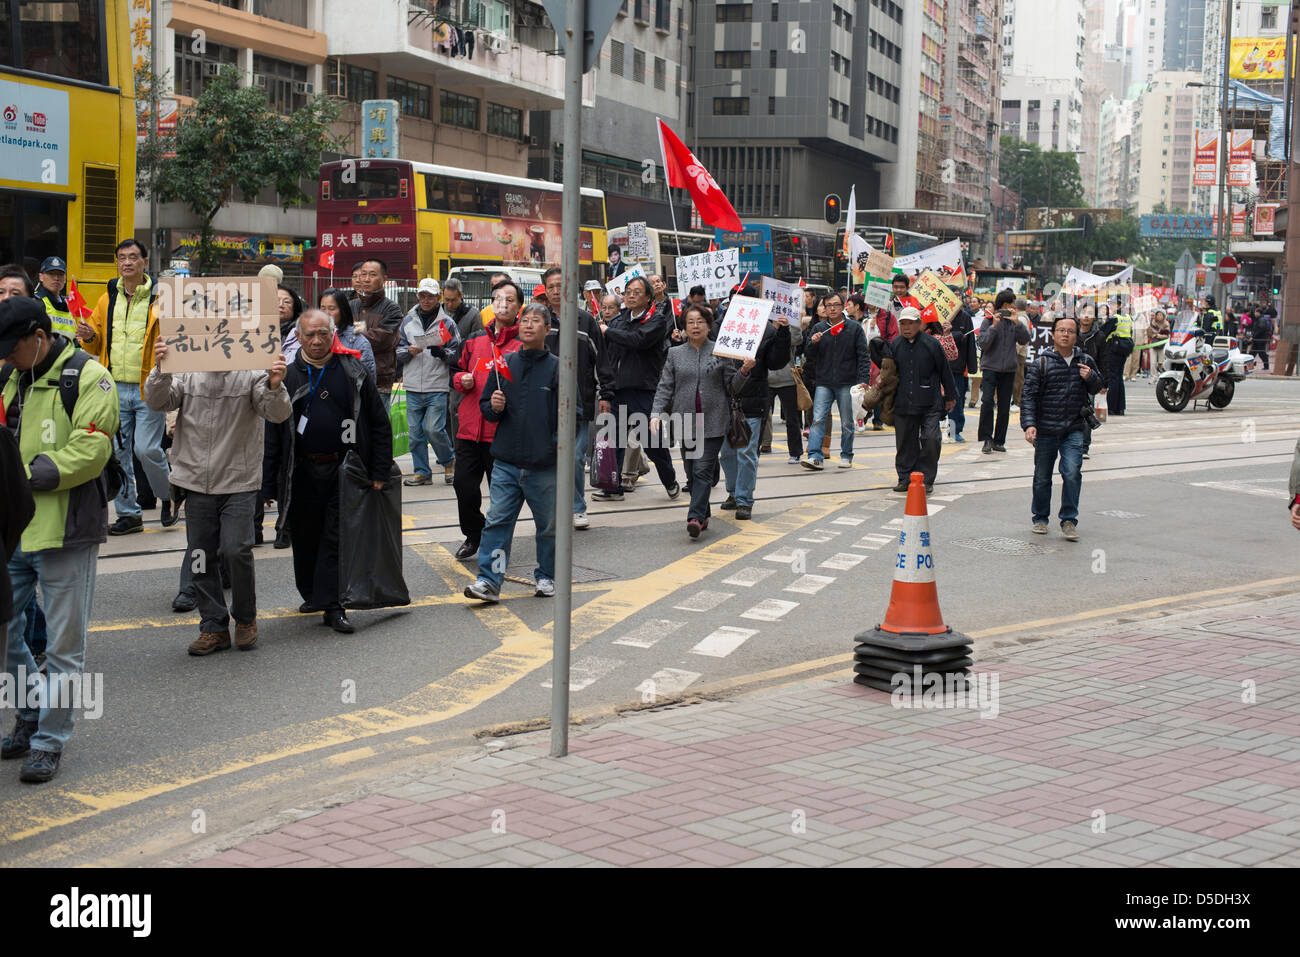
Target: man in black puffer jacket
{"x": 925, "y": 389}
{"x": 1059, "y": 386}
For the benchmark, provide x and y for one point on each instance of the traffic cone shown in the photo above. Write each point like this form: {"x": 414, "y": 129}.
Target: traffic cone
{"x": 913, "y": 640}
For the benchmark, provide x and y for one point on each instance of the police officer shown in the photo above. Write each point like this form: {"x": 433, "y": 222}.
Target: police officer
{"x": 1211, "y": 319}
{"x": 53, "y": 280}
{"x": 1119, "y": 344}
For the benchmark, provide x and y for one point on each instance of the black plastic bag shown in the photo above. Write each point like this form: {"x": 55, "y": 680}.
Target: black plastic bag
{"x": 370, "y": 538}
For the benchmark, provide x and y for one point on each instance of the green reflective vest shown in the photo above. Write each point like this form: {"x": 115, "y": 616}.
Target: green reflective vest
{"x": 1211, "y": 321}
{"x": 1123, "y": 328}
{"x": 60, "y": 318}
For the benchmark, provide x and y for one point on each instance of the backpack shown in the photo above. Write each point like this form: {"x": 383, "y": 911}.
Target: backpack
{"x": 69, "y": 390}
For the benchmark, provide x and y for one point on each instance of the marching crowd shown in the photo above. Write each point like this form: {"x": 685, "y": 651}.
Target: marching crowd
{"x": 92, "y": 417}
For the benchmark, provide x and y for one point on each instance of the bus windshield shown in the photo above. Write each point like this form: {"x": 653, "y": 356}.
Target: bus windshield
{"x": 384, "y": 182}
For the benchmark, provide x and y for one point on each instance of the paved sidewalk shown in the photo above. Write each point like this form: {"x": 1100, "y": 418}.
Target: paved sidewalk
{"x": 1128, "y": 745}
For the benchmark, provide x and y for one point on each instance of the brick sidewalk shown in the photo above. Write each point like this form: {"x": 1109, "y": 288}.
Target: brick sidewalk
{"x": 1127, "y": 748}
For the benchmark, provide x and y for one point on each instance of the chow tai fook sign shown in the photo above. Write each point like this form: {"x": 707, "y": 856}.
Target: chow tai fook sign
{"x": 1172, "y": 226}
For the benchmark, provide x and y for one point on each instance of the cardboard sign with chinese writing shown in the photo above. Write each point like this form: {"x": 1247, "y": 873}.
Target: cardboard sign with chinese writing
{"x": 638, "y": 244}
{"x": 716, "y": 271}
{"x": 218, "y": 325}
{"x": 929, "y": 289}
{"x": 786, "y": 298}
{"x": 880, "y": 265}
{"x": 619, "y": 282}
{"x": 742, "y": 327}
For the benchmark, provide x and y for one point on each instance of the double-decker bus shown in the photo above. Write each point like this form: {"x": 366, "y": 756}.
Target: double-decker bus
{"x": 989, "y": 281}
{"x": 67, "y": 136}
{"x": 423, "y": 220}
{"x": 664, "y": 248}
{"x": 782, "y": 253}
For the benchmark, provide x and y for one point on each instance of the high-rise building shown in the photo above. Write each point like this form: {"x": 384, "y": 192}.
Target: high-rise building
{"x": 642, "y": 75}
{"x": 1117, "y": 156}
{"x": 1043, "y": 43}
{"x": 1165, "y": 141}
{"x": 794, "y": 100}
{"x": 1184, "y": 33}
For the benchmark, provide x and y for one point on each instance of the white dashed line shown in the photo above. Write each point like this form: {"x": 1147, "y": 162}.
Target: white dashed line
{"x": 930, "y": 508}
{"x": 669, "y": 681}
{"x": 873, "y": 542}
{"x": 770, "y": 609}
{"x": 646, "y": 634}
{"x": 842, "y": 561}
{"x": 704, "y": 601}
{"x": 788, "y": 555}
{"x": 724, "y": 641}
{"x": 846, "y": 520}
{"x": 819, "y": 536}
{"x": 809, "y": 584}
{"x": 587, "y": 671}
{"x": 749, "y": 577}
{"x": 895, "y": 523}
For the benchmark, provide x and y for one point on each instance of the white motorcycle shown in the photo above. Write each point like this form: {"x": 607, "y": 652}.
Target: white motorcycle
{"x": 1199, "y": 370}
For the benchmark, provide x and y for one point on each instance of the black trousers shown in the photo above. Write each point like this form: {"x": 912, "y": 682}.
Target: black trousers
{"x": 641, "y": 401}
{"x": 995, "y": 394}
{"x": 916, "y": 440}
{"x": 220, "y": 528}
{"x": 314, "y": 518}
{"x": 473, "y": 464}
{"x": 789, "y": 396}
{"x": 1115, "y": 403}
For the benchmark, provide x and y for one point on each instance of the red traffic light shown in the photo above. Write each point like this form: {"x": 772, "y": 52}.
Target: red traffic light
{"x": 832, "y": 210}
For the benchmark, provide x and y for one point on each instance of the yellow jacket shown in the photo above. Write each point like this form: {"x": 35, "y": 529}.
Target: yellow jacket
{"x": 100, "y": 322}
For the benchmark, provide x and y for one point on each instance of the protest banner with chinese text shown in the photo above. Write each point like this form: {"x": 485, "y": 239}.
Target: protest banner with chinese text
{"x": 716, "y": 271}
{"x": 944, "y": 259}
{"x": 930, "y": 289}
{"x": 619, "y": 282}
{"x": 219, "y": 324}
{"x": 742, "y": 327}
{"x": 878, "y": 295}
{"x": 786, "y": 298}
{"x": 880, "y": 265}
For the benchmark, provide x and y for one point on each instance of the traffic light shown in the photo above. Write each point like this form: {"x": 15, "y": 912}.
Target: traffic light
{"x": 1084, "y": 222}
{"x": 833, "y": 208}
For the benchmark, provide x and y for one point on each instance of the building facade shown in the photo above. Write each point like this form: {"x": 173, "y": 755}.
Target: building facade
{"x": 972, "y": 93}
{"x": 1043, "y": 44}
{"x": 1185, "y": 39}
{"x": 1166, "y": 128}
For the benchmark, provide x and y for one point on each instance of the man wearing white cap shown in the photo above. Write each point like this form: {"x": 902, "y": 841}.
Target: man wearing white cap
{"x": 427, "y": 343}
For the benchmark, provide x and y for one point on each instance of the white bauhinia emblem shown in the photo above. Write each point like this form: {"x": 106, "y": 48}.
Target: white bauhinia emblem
{"x": 701, "y": 176}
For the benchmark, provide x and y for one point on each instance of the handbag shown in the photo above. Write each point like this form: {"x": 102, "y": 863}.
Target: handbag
{"x": 802, "y": 397}
{"x": 739, "y": 432}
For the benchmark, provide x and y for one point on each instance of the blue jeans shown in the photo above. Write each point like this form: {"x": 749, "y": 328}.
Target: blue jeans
{"x": 1046, "y": 448}
{"x": 37, "y": 633}
{"x": 822, "y": 420}
{"x": 426, "y": 418}
{"x": 142, "y": 435}
{"x": 580, "y": 473}
{"x": 741, "y": 467}
{"x": 511, "y": 487}
{"x": 67, "y": 580}
{"x": 958, "y": 414}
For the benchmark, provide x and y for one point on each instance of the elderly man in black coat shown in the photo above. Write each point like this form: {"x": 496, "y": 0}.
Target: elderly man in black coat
{"x": 926, "y": 389}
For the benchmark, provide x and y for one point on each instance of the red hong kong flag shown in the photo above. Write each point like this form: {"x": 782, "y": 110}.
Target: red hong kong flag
{"x": 498, "y": 365}
{"x": 836, "y": 329}
{"x": 929, "y": 314}
{"x": 677, "y": 308}
{"x": 685, "y": 172}
{"x": 444, "y": 333}
{"x": 76, "y": 304}
{"x": 327, "y": 260}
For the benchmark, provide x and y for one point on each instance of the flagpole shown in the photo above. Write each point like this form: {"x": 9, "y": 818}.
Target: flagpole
{"x": 668, "y": 191}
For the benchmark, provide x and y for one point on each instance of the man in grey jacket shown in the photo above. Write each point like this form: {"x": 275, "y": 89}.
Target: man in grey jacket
{"x": 998, "y": 338}
{"x": 216, "y": 457}
{"x": 426, "y": 345}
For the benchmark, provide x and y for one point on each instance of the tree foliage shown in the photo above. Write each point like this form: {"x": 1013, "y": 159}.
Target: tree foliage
{"x": 1042, "y": 178}
{"x": 230, "y": 139}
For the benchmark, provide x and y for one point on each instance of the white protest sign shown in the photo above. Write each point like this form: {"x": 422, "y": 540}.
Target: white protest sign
{"x": 786, "y": 298}
{"x": 742, "y": 327}
{"x": 879, "y": 294}
{"x": 717, "y": 271}
{"x": 638, "y": 245}
{"x": 880, "y": 265}
{"x": 221, "y": 324}
{"x": 619, "y": 283}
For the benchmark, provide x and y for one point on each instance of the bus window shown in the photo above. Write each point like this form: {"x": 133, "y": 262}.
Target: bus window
{"x": 62, "y": 38}
{"x": 382, "y": 182}
{"x": 593, "y": 212}
{"x": 454, "y": 194}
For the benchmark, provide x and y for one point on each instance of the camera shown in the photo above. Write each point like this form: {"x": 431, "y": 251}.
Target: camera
{"x": 1090, "y": 416}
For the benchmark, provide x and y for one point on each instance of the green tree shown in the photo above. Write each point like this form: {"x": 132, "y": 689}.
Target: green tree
{"x": 230, "y": 139}
{"x": 1041, "y": 178}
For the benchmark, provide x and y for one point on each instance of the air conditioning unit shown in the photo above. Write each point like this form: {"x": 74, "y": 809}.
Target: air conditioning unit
{"x": 211, "y": 69}
{"x": 301, "y": 86}
{"x": 496, "y": 43}
{"x": 261, "y": 80}
{"x": 530, "y": 139}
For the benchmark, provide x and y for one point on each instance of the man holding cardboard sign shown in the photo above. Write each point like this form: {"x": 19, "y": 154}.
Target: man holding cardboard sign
{"x": 216, "y": 456}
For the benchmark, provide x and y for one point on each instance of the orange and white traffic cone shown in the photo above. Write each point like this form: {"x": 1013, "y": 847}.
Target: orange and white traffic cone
{"x": 913, "y": 640}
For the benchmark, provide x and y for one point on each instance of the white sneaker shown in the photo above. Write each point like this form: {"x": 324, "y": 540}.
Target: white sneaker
{"x": 1014, "y": 407}
{"x": 580, "y": 520}
{"x": 545, "y": 588}
{"x": 792, "y": 460}
{"x": 846, "y": 463}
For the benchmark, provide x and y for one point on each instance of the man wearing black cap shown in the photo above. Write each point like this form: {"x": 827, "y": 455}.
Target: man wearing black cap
{"x": 64, "y": 408}
{"x": 53, "y": 281}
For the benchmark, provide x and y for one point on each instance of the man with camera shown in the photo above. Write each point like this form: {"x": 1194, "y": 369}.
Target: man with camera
{"x": 1059, "y": 387}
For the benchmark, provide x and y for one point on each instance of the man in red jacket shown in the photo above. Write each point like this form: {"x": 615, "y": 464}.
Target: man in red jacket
{"x": 477, "y": 368}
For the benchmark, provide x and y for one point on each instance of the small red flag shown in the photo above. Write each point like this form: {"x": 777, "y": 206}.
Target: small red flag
{"x": 685, "y": 172}
{"x": 677, "y": 308}
{"x": 327, "y": 260}
{"x": 836, "y": 329}
{"x": 444, "y": 333}
{"x": 76, "y": 304}
{"x": 929, "y": 314}
{"x": 802, "y": 284}
{"x": 498, "y": 365}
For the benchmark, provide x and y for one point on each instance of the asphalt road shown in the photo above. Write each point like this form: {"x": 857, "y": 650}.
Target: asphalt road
{"x": 1175, "y": 509}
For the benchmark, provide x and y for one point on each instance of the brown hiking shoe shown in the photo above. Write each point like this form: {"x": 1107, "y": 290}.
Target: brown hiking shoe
{"x": 210, "y": 641}
{"x": 245, "y": 635}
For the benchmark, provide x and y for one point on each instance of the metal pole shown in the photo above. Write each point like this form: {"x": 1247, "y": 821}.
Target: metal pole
{"x": 1291, "y": 282}
{"x": 153, "y": 132}
{"x": 574, "y": 32}
{"x": 1225, "y": 215}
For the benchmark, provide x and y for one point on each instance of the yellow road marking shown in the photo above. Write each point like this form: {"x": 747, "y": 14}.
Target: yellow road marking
{"x": 522, "y": 651}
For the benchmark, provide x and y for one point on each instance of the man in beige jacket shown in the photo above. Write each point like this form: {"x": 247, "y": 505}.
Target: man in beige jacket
{"x": 216, "y": 457}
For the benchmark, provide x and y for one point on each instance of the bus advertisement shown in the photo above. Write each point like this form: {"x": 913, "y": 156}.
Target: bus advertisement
{"x": 67, "y": 136}
{"x": 423, "y": 220}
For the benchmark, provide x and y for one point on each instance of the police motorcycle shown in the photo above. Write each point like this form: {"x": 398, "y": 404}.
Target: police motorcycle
{"x": 1199, "y": 367}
